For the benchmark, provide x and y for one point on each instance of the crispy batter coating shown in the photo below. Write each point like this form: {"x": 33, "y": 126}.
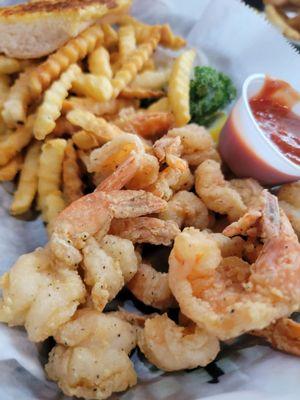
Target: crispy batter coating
{"x": 152, "y": 287}
{"x": 91, "y": 357}
{"x": 32, "y": 282}
{"x": 171, "y": 347}
{"x": 216, "y": 192}
{"x": 145, "y": 230}
{"x": 225, "y": 295}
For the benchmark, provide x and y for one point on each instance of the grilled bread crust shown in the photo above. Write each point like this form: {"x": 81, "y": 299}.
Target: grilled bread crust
{"x": 35, "y": 29}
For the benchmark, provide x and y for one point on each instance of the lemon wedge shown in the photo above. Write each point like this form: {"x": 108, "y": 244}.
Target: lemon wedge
{"x": 216, "y": 127}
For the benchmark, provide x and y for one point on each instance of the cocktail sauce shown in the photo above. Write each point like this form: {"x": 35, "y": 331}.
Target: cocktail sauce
{"x": 272, "y": 109}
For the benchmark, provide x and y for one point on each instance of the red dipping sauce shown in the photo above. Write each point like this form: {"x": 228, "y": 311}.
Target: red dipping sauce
{"x": 274, "y": 116}
{"x": 261, "y": 138}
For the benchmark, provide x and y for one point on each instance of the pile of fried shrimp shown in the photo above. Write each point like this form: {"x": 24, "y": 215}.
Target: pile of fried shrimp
{"x": 113, "y": 180}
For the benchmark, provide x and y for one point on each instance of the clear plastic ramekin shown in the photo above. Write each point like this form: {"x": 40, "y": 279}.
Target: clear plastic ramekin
{"x": 245, "y": 147}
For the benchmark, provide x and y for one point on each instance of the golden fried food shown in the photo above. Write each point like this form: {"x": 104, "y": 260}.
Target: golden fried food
{"x": 10, "y": 170}
{"x": 289, "y": 26}
{"x": 171, "y": 347}
{"x": 50, "y": 109}
{"x": 147, "y": 124}
{"x": 50, "y": 167}
{"x": 152, "y": 287}
{"x": 134, "y": 64}
{"x": 186, "y": 209}
{"x": 86, "y": 344}
{"x": 216, "y": 192}
{"x": 28, "y": 182}
{"x": 14, "y": 141}
{"x": 72, "y": 183}
{"x": 16, "y": 104}
{"x": 98, "y": 87}
{"x": 29, "y": 284}
{"x": 288, "y": 196}
{"x": 227, "y": 296}
{"x": 179, "y": 87}
{"x": 136, "y": 202}
{"x": 99, "y": 62}
{"x": 76, "y": 49}
{"x": 145, "y": 230}
{"x": 284, "y": 334}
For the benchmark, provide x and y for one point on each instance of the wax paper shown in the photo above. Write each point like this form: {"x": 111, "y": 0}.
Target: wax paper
{"x": 238, "y": 41}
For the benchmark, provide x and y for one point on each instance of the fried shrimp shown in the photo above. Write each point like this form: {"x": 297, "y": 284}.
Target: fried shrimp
{"x": 152, "y": 287}
{"x": 31, "y": 283}
{"x": 147, "y": 124}
{"x": 289, "y": 201}
{"x": 123, "y": 252}
{"x": 145, "y": 230}
{"x": 146, "y": 174}
{"x": 171, "y": 347}
{"x": 186, "y": 209}
{"x": 106, "y": 158}
{"x": 290, "y": 193}
{"x": 122, "y": 175}
{"x": 228, "y": 296}
{"x": 92, "y": 214}
{"x": 216, "y": 193}
{"x": 176, "y": 176}
{"x": 107, "y": 266}
{"x": 102, "y": 274}
{"x": 104, "y": 161}
{"x": 91, "y": 357}
{"x": 229, "y": 246}
{"x": 249, "y": 190}
{"x": 167, "y": 146}
{"x": 197, "y": 143}
{"x": 283, "y": 335}
{"x": 248, "y": 225}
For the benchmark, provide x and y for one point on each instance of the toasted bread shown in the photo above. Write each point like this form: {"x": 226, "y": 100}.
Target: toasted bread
{"x": 35, "y": 29}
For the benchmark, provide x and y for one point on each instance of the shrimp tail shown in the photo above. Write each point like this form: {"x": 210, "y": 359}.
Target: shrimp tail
{"x": 123, "y": 174}
{"x": 283, "y": 335}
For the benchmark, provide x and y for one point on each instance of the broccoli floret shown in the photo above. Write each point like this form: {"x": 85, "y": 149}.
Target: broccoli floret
{"x": 210, "y": 92}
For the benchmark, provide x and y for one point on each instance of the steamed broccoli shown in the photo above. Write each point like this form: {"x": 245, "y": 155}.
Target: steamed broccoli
{"x": 210, "y": 92}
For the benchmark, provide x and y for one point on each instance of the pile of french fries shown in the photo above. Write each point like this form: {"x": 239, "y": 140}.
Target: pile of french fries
{"x": 285, "y": 14}
{"x": 54, "y": 111}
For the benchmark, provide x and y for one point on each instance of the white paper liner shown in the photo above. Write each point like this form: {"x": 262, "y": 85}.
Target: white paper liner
{"x": 239, "y": 42}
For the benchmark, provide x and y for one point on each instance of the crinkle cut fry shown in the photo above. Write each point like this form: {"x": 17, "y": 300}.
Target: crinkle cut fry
{"x": 102, "y": 130}
{"x": 127, "y": 42}
{"x": 110, "y": 35}
{"x": 140, "y": 93}
{"x": 99, "y": 62}
{"x": 75, "y": 50}
{"x": 15, "y": 106}
{"x": 50, "y": 167}
{"x": 50, "y": 109}
{"x": 27, "y": 185}
{"x": 72, "y": 184}
{"x": 15, "y": 141}
{"x": 137, "y": 59}
{"x": 168, "y": 38}
{"x": 10, "y": 170}
{"x": 179, "y": 87}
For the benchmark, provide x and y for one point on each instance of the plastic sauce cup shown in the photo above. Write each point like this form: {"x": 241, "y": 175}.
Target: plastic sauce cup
{"x": 245, "y": 147}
